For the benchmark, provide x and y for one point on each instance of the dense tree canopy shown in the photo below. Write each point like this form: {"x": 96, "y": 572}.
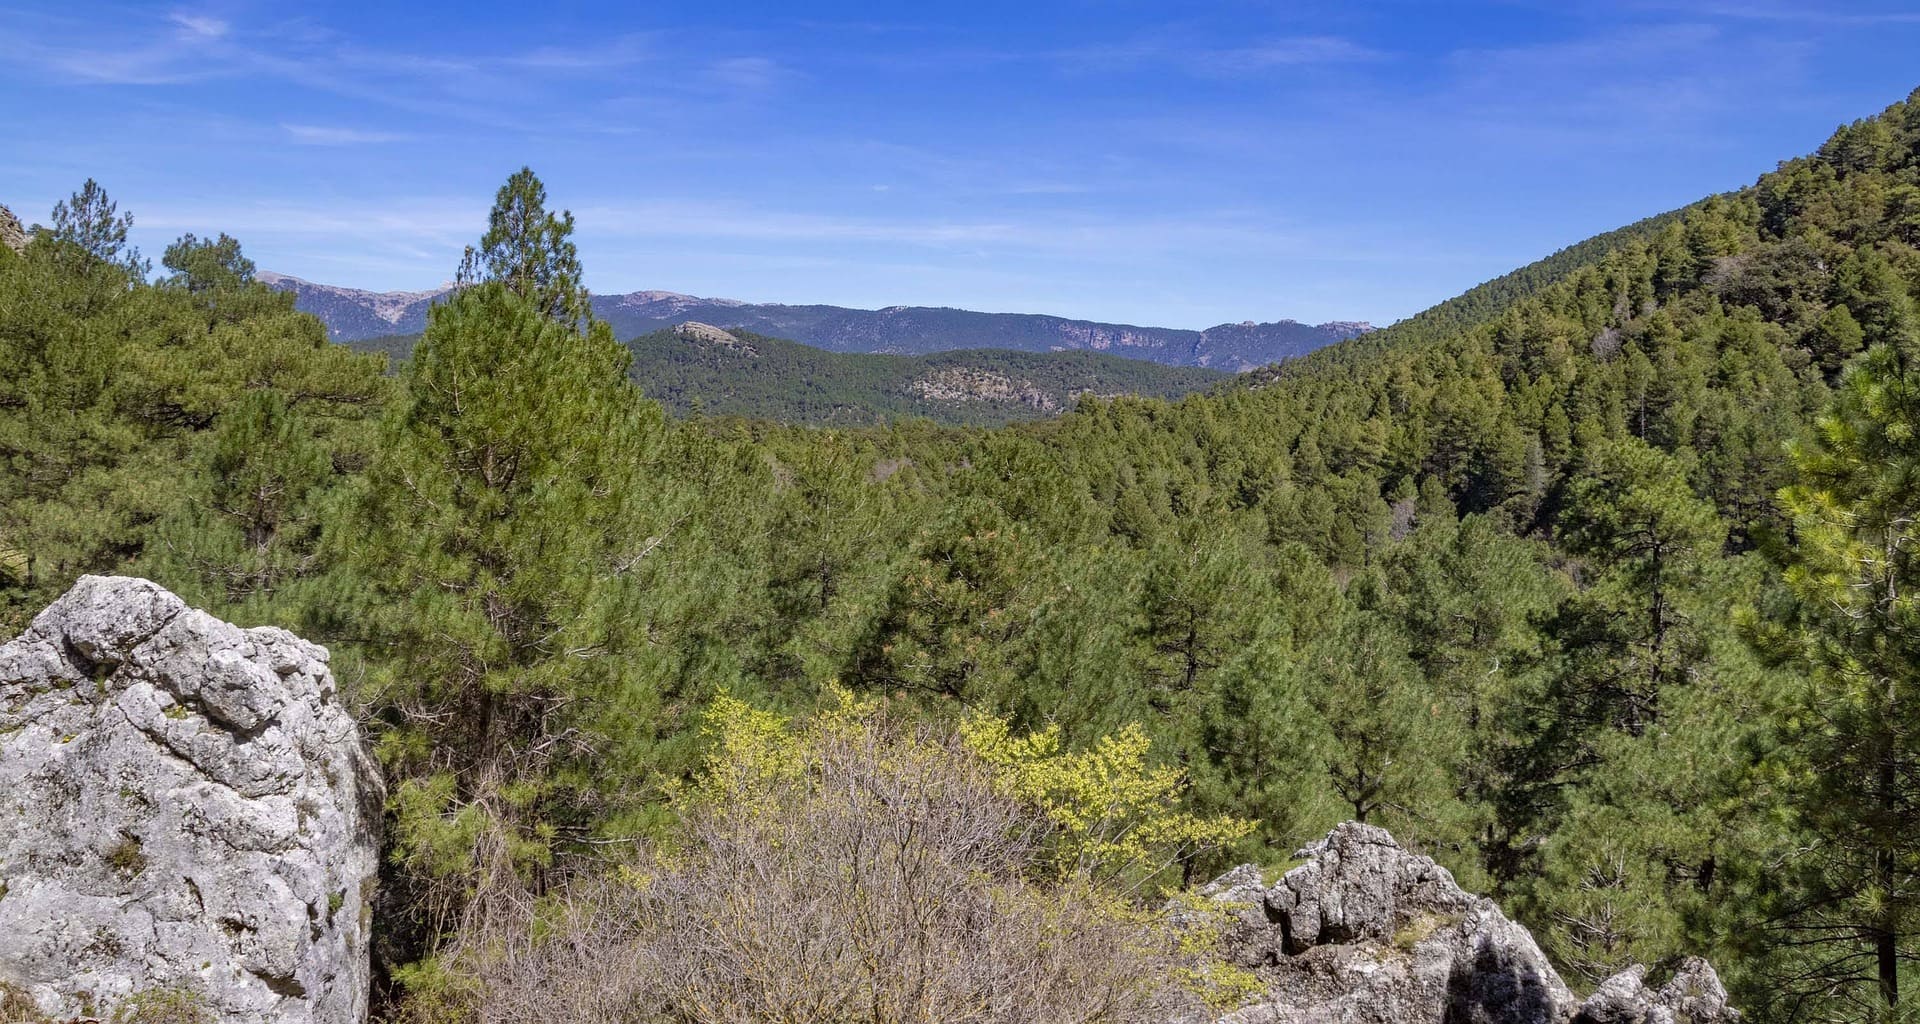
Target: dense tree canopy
{"x": 1472, "y": 577}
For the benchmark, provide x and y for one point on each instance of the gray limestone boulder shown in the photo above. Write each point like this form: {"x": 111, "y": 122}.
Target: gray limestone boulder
{"x": 1366, "y": 932}
{"x": 1694, "y": 995}
{"x": 184, "y": 804}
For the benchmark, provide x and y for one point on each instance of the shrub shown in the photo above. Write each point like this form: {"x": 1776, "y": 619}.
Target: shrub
{"x": 843, "y": 868}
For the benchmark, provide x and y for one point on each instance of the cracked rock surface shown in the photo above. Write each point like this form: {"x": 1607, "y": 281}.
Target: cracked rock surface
{"x": 1366, "y": 932}
{"x": 183, "y": 803}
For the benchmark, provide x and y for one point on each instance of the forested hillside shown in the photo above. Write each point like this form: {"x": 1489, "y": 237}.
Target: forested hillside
{"x": 1593, "y": 587}
{"x": 699, "y": 368}
{"x": 696, "y": 368}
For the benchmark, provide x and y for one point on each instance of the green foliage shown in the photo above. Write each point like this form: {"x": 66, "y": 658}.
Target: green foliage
{"x": 207, "y": 265}
{"x": 769, "y": 378}
{"x": 111, "y": 391}
{"x": 1117, "y": 816}
{"x": 527, "y": 250}
{"x": 1845, "y": 913}
{"x": 1469, "y": 577}
{"x": 495, "y": 540}
{"x": 91, "y": 223}
{"x": 693, "y": 374}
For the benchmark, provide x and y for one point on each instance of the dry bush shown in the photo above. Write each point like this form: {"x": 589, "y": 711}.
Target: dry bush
{"x": 869, "y": 873}
{"x": 16, "y": 1007}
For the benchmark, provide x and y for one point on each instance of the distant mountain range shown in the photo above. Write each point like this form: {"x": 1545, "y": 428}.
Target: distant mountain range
{"x": 355, "y": 315}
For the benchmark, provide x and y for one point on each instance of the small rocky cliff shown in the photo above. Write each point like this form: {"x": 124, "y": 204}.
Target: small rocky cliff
{"x": 184, "y": 805}
{"x": 1367, "y": 933}
{"x": 12, "y": 235}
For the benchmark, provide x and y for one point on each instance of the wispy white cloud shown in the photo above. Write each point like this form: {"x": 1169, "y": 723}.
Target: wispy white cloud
{"x": 1182, "y": 55}
{"x": 1302, "y": 50}
{"x": 419, "y": 221}
{"x": 200, "y": 24}
{"x": 536, "y": 89}
{"x": 623, "y": 51}
{"x": 324, "y": 135}
{"x": 435, "y": 222}
{"x": 1794, "y": 11}
{"x": 1661, "y": 81}
{"x": 747, "y": 74}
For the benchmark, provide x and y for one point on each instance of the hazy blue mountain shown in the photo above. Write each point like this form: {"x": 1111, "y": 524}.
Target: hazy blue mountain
{"x": 355, "y": 315}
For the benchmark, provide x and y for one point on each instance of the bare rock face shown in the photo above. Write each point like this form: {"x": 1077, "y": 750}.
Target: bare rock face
{"x": 1367, "y": 933}
{"x": 693, "y": 330}
{"x": 1693, "y": 995}
{"x": 12, "y": 235}
{"x": 972, "y": 384}
{"x": 183, "y": 804}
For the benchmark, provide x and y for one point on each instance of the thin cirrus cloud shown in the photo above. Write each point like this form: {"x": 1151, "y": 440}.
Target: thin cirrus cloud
{"x": 1201, "y": 60}
{"x": 200, "y": 24}
{"x": 1329, "y": 161}
{"x": 749, "y": 74}
{"x": 324, "y": 135}
{"x": 1303, "y": 50}
{"x": 432, "y": 224}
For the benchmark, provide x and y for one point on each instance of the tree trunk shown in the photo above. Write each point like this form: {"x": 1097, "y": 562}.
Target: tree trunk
{"x": 1887, "y": 952}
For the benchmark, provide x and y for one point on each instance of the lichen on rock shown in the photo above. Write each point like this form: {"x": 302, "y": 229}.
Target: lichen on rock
{"x": 184, "y": 805}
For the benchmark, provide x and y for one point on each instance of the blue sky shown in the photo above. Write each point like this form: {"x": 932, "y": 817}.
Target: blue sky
{"x": 1166, "y": 164}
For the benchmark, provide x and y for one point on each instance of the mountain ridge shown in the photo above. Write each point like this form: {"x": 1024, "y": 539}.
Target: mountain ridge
{"x": 353, "y": 314}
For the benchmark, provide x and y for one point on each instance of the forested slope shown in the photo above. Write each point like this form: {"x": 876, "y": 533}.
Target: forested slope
{"x": 1592, "y": 587}
{"x": 695, "y": 367}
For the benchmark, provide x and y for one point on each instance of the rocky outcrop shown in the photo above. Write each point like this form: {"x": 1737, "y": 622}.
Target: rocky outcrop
{"x": 1694, "y": 994}
{"x": 184, "y": 804}
{"x": 971, "y": 384}
{"x": 12, "y": 235}
{"x": 1367, "y": 933}
{"x": 710, "y": 335}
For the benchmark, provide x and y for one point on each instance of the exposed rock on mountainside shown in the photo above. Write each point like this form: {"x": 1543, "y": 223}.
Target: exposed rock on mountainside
{"x": 693, "y": 330}
{"x": 183, "y": 804}
{"x": 968, "y": 384}
{"x": 355, "y": 315}
{"x": 1366, "y": 932}
{"x": 352, "y": 314}
{"x": 12, "y": 235}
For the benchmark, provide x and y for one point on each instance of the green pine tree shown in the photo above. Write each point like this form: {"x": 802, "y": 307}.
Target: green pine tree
{"x": 530, "y": 251}
{"x": 1846, "y": 907}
